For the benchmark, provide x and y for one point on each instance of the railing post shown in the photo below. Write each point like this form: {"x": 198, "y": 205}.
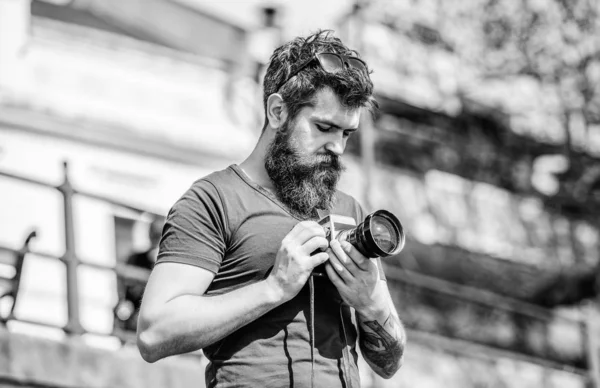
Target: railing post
{"x": 70, "y": 260}
{"x": 592, "y": 348}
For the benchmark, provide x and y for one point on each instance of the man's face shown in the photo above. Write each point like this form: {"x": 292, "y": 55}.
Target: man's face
{"x": 304, "y": 159}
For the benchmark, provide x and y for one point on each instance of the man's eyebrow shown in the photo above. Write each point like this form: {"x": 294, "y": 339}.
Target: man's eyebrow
{"x": 332, "y": 124}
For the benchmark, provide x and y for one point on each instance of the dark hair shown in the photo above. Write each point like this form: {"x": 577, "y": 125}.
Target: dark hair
{"x": 354, "y": 88}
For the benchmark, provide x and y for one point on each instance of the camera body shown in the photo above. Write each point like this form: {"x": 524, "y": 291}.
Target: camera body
{"x": 333, "y": 224}
{"x": 380, "y": 234}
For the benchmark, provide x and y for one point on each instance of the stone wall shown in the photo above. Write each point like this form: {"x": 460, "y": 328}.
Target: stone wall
{"x": 427, "y": 365}
{"x": 34, "y": 362}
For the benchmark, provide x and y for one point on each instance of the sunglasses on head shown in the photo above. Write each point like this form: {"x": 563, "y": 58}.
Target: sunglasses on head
{"x": 331, "y": 63}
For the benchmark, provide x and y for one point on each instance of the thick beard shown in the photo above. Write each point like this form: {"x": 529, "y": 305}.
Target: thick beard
{"x": 303, "y": 183}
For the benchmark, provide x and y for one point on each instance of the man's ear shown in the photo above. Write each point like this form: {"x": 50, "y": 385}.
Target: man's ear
{"x": 276, "y": 111}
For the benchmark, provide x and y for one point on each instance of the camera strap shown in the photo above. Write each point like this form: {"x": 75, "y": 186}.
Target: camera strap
{"x": 311, "y": 286}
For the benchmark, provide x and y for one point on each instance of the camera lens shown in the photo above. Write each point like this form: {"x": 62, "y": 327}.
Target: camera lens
{"x": 384, "y": 234}
{"x": 380, "y": 235}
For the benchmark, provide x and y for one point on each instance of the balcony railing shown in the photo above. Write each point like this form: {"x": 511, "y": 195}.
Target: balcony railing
{"x": 15, "y": 257}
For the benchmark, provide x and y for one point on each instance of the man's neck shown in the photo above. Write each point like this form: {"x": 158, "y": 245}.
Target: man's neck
{"x": 254, "y": 165}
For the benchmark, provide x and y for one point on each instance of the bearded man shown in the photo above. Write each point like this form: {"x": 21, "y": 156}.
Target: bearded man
{"x": 240, "y": 245}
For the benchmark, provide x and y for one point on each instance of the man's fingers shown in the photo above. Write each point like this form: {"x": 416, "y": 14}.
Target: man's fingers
{"x": 340, "y": 268}
{"x": 319, "y": 258}
{"x": 355, "y": 256}
{"x": 317, "y": 242}
{"x": 343, "y": 258}
{"x": 305, "y": 230}
{"x": 333, "y": 276}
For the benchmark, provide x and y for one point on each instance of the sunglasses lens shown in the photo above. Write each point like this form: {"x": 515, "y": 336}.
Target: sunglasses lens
{"x": 330, "y": 62}
{"x": 357, "y": 64}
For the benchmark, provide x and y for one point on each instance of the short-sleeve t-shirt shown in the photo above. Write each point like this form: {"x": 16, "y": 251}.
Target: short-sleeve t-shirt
{"x": 232, "y": 227}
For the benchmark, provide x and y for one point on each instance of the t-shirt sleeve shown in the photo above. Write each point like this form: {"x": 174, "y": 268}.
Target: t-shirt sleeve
{"x": 195, "y": 229}
{"x": 360, "y": 217}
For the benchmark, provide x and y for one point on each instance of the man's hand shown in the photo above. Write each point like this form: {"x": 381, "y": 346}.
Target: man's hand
{"x": 294, "y": 262}
{"x": 382, "y": 338}
{"x": 356, "y": 277}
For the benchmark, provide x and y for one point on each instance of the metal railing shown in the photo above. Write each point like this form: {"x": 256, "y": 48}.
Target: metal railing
{"x": 70, "y": 259}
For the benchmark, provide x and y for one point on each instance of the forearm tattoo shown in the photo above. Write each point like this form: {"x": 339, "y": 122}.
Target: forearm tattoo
{"x": 382, "y": 346}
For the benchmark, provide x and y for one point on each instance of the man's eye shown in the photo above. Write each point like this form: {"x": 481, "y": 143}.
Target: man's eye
{"x": 348, "y": 133}
{"x": 324, "y": 129}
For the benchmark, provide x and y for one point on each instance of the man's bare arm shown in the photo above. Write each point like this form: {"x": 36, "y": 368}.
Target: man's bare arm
{"x": 382, "y": 340}
{"x": 191, "y": 321}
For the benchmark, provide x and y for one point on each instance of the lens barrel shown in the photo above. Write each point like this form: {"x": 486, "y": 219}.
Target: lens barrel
{"x": 380, "y": 235}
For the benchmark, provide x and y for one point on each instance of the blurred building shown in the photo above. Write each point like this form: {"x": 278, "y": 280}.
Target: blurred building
{"x": 142, "y": 99}
{"x": 139, "y": 104}
{"x": 487, "y": 148}
{"x": 127, "y": 107}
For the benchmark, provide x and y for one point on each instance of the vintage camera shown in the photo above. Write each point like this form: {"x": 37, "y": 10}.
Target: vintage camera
{"x": 380, "y": 234}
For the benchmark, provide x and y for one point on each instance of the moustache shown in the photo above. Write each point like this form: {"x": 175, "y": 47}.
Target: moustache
{"x": 328, "y": 160}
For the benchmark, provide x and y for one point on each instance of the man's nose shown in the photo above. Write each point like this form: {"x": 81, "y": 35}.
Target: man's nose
{"x": 336, "y": 144}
